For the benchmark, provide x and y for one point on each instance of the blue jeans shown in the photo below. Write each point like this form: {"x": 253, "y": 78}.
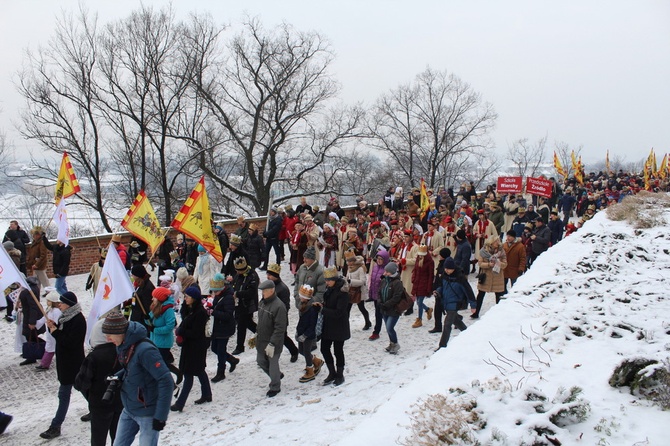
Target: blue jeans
{"x": 205, "y": 388}
{"x": 421, "y": 305}
{"x": 61, "y": 287}
{"x": 220, "y": 347}
{"x": 128, "y": 427}
{"x": 390, "y": 322}
{"x": 64, "y": 393}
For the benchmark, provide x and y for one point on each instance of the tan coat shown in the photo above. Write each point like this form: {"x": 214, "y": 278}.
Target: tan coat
{"x": 407, "y": 263}
{"x": 509, "y": 207}
{"x": 516, "y": 259}
{"x": 36, "y": 254}
{"x": 495, "y": 282}
{"x": 435, "y": 244}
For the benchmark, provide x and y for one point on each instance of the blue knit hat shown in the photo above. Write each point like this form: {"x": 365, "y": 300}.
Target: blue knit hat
{"x": 193, "y": 292}
{"x": 201, "y": 248}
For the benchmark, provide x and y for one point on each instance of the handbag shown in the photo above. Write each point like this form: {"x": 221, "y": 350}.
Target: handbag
{"x": 481, "y": 277}
{"x": 355, "y": 295}
{"x": 33, "y": 350}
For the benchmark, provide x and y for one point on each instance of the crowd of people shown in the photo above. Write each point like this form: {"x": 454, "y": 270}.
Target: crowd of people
{"x": 384, "y": 258}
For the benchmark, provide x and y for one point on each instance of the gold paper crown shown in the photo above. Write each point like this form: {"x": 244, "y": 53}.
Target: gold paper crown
{"x": 349, "y": 255}
{"x": 235, "y": 239}
{"x": 306, "y": 291}
{"x": 240, "y": 263}
{"x": 423, "y": 250}
{"x": 274, "y": 268}
{"x": 330, "y": 273}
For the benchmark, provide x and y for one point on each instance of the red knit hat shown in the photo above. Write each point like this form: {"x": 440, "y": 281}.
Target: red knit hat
{"x": 161, "y": 294}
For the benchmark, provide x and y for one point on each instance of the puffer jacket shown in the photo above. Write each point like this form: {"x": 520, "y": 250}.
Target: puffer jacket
{"x": 391, "y": 291}
{"x": 246, "y": 287}
{"x": 356, "y": 277}
{"x": 453, "y": 289}
{"x": 163, "y": 333}
{"x": 376, "y": 273}
{"x": 223, "y": 312}
{"x": 335, "y": 313}
{"x": 147, "y": 382}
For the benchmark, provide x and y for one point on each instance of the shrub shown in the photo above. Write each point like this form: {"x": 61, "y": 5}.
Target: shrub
{"x": 644, "y": 210}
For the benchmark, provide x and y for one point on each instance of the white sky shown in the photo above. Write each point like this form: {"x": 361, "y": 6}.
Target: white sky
{"x": 594, "y": 73}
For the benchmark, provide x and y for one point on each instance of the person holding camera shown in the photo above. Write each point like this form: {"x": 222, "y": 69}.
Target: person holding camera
{"x": 101, "y": 393}
{"x": 147, "y": 385}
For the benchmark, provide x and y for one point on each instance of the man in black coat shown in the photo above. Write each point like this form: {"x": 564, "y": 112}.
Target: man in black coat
{"x": 92, "y": 382}
{"x": 246, "y": 301}
{"x": 271, "y": 235}
{"x": 143, "y": 297}
{"x": 31, "y": 313}
{"x": 541, "y": 239}
{"x": 20, "y": 239}
{"x": 236, "y": 251}
{"x": 61, "y": 265}
{"x": 69, "y": 334}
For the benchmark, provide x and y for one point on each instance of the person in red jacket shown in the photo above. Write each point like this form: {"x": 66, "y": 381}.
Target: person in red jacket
{"x": 422, "y": 283}
{"x": 121, "y": 250}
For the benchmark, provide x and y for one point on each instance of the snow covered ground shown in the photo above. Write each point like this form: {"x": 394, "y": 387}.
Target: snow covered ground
{"x": 593, "y": 300}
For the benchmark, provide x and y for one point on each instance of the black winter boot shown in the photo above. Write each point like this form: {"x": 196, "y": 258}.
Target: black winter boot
{"x": 339, "y": 378}
{"x": 220, "y": 374}
{"x": 331, "y": 374}
{"x": 175, "y": 370}
{"x": 233, "y": 362}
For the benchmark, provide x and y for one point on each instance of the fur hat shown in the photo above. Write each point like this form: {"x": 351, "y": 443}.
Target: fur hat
{"x": 217, "y": 283}
{"x": 274, "y": 269}
{"x": 115, "y": 323}
{"x": 331, "y": 273}
{"x": 37, "y": 230}
{"x": 161, "y": 294}
{"x": 139, "y": 271}
{"x": 349, "y": 255}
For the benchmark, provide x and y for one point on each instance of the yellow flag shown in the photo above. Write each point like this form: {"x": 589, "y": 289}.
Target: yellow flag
{"x": 558, "y": 166}
{"x": 141, "y": 221}
{"x": 194, "y": 219}
{"x": 579, "y": 171}
{"x": 663, "y": 169}
{"x": 607, "y": 163}
{"x": 575, "y": 167}
{"x": 425, "y": 201}
{"x": 66, "y": 184}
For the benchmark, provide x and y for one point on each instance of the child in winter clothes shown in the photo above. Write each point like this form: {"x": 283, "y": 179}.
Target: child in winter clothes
{"x": 161, "y": 323}
{"x": 374, "y": 281}
{"x": 357, "y": 281}
{"x": 53, "y": 313}
{"x": 306, "y": 332}
{"x": 422, "y": 283}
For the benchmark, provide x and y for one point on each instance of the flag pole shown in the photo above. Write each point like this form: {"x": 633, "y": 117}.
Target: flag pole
{"x": 153, "y": 252}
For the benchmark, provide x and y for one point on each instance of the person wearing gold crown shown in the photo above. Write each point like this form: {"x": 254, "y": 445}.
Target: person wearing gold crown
{"x": 245, "y": 285}
{"x": 305, "y": 332}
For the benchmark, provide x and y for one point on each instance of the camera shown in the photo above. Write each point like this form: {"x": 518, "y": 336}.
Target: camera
{"x": 114, "y": 385}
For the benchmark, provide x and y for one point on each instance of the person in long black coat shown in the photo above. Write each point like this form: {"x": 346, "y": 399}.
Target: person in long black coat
{"x": 335, "y": 330}
{"x": 143, "y": 289}
{"x": 31, "y": 313}
{"x": 193, "y": 359}
{"x": 92, "y": 382}
{"x": 255, "y": 248}
{"x": 246, "y": 294}
{"x": 69, "y": 334}
{"x": 223, "y": 312}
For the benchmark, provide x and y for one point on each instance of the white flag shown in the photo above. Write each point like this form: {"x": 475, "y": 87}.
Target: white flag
{"x": 114, "y": 288}
{"x": 9, "y": 273}
{"x": 60, "y": 217}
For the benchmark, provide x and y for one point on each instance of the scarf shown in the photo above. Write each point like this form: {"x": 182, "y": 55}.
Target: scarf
{"x": 69, "y": 314}
{"x": 204, "y": 258}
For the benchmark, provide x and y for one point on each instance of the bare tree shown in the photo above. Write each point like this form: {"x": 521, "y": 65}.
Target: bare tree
{"x": 430, "y": 125}
{"x": 267, "y": 110}
{"x": 527, "y": 157}
{"x": 58, "y": 87}
{"x": 145, "y": 75}
{"x": 564, "y": 153}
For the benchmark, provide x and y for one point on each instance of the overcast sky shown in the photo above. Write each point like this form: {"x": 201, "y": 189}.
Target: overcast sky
{"x": 591, "y": 73}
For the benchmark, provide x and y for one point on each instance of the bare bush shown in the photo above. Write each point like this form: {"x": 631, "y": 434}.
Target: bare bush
{"x": 444, "y": 419}
{"x": 644, "y": 210}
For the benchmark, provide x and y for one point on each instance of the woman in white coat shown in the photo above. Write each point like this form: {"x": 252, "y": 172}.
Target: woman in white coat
{"x": 205, "y": 268}
{"x": 53, "y": 313}
{"x": 357, "y": 283}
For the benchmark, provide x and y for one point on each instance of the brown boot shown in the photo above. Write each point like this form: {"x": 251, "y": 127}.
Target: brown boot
{"x": 317, "y": 365}
{"x": 429, "y": 313}
{"x": 417, "y": 323}
{"x": 308, "y": 376}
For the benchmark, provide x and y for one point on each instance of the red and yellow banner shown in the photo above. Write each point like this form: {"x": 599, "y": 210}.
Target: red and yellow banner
{"x": 425, "y": 201}
{"x": 559, "y": 167}
{"x": 195, "y": 220}
{"x": 66, "y": 184}
{"x": 141, "y": 221}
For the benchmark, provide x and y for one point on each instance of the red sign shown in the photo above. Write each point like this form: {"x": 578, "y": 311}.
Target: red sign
{"x": 539, "y": 186}
{"x": 509, "y": 185}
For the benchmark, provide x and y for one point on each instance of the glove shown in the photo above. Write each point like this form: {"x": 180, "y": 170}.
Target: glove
{"x": 252, "y": 342}
{"x": 270, "y": 350}
{"x": 158, "y": 425}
